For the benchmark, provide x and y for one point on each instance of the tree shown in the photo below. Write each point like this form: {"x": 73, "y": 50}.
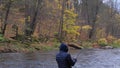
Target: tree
{"x": 70, "y": 29}
{"x": 60, "y": 34}
{"x": 29, "y": 20}
{"x": 90, "y": 11}
{"x": 8, "y": 6}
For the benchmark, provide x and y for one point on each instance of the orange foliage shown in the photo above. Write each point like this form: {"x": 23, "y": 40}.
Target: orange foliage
{"x": 110, "y": 39}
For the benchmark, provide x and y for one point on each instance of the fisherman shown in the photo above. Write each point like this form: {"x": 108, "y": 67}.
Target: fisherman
{"x": 63, "y": 58}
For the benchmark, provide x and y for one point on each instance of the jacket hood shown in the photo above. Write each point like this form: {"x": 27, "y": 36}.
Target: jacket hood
{"x": 63, "y": 47}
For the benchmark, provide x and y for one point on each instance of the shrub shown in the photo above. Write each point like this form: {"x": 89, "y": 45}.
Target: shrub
{"x": 102, "y": 42}
{"x": 86, "y": 44}
{"x": 116, "y": 43}
{"x": 56, "y": 45}
{"x": 110, "y": 39}
{"x": 1, "y": 39}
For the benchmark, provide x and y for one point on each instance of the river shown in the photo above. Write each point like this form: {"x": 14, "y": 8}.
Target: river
{"x": 88, "y": 58}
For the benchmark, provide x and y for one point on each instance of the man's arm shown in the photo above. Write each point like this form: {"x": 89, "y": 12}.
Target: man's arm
{"x": 71, "y": 60}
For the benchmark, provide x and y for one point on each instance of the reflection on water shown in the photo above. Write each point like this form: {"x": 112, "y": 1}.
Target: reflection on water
{"x": 88, "y": 58}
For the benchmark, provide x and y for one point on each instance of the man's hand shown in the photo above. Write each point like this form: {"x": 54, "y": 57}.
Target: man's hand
{"x": 75, "y": 59}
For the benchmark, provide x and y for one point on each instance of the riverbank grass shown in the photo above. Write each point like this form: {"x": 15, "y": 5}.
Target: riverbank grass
{"x": 16, "y": 46}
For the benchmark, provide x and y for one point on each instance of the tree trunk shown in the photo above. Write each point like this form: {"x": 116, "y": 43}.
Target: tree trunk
{"x": 8, "y": 6}
{"x": 31, "y": 24}
{"x": 34, "y": 23}
{"x": 90, "y": 12}
{"x": 60, "y": 34}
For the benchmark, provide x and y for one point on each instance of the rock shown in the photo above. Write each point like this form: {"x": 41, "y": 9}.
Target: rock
{"x": 107, "y": 47}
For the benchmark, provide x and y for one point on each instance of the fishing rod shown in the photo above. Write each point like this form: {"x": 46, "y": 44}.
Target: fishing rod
{"x": 77, "y": 55}
{"x": 76, "y": 47}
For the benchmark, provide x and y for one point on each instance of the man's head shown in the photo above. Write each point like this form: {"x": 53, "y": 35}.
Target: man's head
{"x": 63, "y": 47}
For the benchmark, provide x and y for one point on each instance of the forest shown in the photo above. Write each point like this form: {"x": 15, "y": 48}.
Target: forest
{"x": 31, "y": 25}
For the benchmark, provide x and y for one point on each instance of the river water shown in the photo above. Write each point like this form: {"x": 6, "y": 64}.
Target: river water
{"x": 88, "y": 58}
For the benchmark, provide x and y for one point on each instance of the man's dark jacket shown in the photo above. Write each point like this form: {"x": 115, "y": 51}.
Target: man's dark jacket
{"x": 64, "y": 59}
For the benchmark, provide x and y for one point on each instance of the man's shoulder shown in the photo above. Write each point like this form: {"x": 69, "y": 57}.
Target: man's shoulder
{"x": 63, "y": 54}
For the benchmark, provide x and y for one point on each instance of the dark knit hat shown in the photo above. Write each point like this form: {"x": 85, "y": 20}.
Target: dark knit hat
{"x": 63, "y": 47}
